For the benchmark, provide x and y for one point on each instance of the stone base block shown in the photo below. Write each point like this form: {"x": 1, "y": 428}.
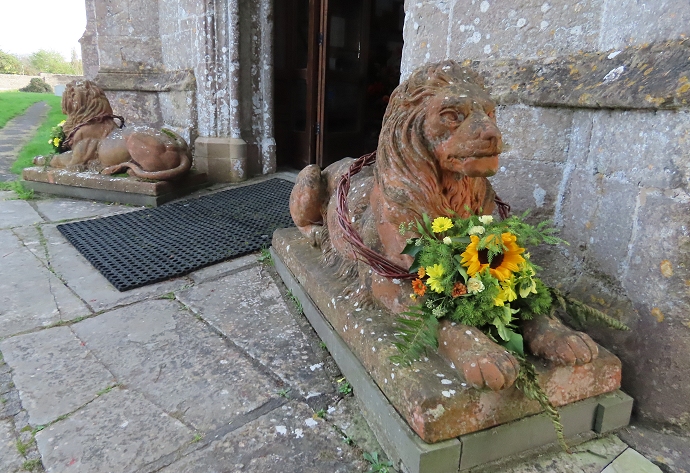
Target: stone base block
{"x": 125, "y": 190}
{"x": 425, "y": 416}
{"x": 223, "y": 159}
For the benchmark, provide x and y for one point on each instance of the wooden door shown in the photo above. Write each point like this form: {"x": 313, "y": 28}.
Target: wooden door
{"x": 343, "y": 59}
{"x": 296, "y": 49}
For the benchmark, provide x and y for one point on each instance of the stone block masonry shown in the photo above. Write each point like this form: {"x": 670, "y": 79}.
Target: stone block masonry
{"x": 594, "y": 109}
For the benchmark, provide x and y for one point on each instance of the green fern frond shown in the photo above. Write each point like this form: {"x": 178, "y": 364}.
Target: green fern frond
{"x": 584, "y": 314}
{"x": 418, "y": 332}
{"x": 528, "y": 383}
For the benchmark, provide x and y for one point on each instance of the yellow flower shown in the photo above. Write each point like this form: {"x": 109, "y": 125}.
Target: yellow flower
{"x": 502, "y": 265}
{"x": 441, "y": 224}
{"x": 421, "y": 272}
{"x": 62, "y": 123}
{"x": 507, "y": 292}
{"x": 435, "y": 273}
{"x": 56, "y": 141}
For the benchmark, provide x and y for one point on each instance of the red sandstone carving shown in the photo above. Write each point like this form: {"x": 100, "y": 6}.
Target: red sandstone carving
{"x": 98, "y": 144}
{"x": 438, "y": 145}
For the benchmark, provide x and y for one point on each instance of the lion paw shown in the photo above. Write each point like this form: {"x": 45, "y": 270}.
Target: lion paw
{"x": 483, "y": 363}
{"x": 548, "y": 338}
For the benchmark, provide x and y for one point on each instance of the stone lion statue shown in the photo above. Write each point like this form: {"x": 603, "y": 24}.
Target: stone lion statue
{"x": 438, "y": 144}
{"x": 98, "y": 144}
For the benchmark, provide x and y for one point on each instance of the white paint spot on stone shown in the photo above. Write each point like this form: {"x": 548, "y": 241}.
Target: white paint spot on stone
{"x": 124, "y": 424}
{"x": 487, "y": 49}
{"x": 484, "y": 6}
{"x": 373, "y": 348}
{"x": 446, "y": 393}
{"x": 299, "y": 433}
{"x": 416, "y": 26}
{"x": 521, "y": 22}
{"x": 614, "y": 74}
{"x": 539, "y": 195}
{"x": 440, "y": 375}
{"x": 468, "y": 332}
{"x": 476, "y": 37}
{"x": 613, "y": 54}
{"x": 576, "y": 30}
{"x": 223, "y": 362}
{"x": 446, "y": 381}
{"x": 544, "y": 24}
{"x": 311, "y": 423}
{"x": 452, "y": 365}
{"x": 316, "y": 366}
{"x": 281, "y": 429}
{"x": 476, "y": 21}
{"x": 330, "y": 409}
{"x": 396, "y": 281}
{"x": 545, "y": 7}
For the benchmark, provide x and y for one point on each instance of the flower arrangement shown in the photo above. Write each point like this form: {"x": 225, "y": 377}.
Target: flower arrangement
{"x": 476, "y": 271}
{"x": 57, "y": 137}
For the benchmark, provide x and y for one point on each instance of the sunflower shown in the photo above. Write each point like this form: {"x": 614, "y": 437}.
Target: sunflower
{"x": 502, "y": 265}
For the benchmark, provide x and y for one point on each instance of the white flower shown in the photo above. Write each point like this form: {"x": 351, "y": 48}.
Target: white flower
{"x": 447, "y": 241}
{"x": 475, "y": 286}
{"x": 476, "y": 230}
{"x": 486, "y": 219}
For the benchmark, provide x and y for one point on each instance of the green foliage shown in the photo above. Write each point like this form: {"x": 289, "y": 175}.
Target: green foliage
{"x": 377, "y": 465}
{"x": 321, "y": 413}
{"x": 39, "y": 143}
{"x": 416, "y": 332}
{"x": 528, "y": 383}
{"x": 265, "y": 256}
{"x": 13, "y": 104}
{"x": 54, "y": 63}
{"x": 283, "y": 392}
{"x": 37, "y": 85}
{"x": 18, "y": 188}
{"x": 296, "y": 302}
{"x": 583, "y": 314}
{"x": 9, "y": 63}
{"x": 344, "y": 387}
{"x": 31, "y": 465}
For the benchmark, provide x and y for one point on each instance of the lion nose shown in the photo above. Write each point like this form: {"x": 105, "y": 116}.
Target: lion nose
{"x": 488, "y": 131}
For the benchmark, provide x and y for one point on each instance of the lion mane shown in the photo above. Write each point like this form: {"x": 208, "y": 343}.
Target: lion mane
{"x": 82, "y": 101}
{"x": 419, "y": 184}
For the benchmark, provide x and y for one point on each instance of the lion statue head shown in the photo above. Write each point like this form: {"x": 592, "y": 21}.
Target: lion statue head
{"x": 81, "y": 101}
{"x": 439, "y": 142}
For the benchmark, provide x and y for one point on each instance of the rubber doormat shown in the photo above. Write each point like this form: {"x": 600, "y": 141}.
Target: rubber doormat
{"x": 147, "y": 246}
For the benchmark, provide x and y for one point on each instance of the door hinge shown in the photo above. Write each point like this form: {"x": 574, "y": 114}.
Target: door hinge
{"x": 317, "y": 128}
{"x": 320, "y": 39}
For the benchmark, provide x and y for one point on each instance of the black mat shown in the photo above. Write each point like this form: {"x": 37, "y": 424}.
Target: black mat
{"x": 146, "y": 246}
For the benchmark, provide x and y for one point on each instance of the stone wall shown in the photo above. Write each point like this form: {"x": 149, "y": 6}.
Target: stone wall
{"x": 146, "y": 52}
{"x": 597, "y": 137}
{"x": 17, "y": 81}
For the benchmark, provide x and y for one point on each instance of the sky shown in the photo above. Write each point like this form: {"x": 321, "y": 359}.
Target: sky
{"x": 30, "y": 25}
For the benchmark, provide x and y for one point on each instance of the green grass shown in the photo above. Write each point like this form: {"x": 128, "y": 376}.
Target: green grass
{"x": 39, "y": 143}
{"x": 16, "y": 103}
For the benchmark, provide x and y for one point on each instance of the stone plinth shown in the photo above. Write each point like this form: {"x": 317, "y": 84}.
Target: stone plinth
{"x": 223, "y": 159}
{"x": 431, "y": 396}
{"x": 125, "y": 190}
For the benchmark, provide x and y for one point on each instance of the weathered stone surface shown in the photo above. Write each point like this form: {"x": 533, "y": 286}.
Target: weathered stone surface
{"x": 246, "y": 306}
{"x": 432, "y": 396}
{"x": 162, "y": 351}
{"x": 54, "y": 372}
{"x": 17, "y": 213}
{"x": 50, "y": 302}
{"x": 223, "y": 269}
{"x": 525, "y": 30}
{"x": 662, "y": 20}
{"x": 56, "y": 210}
{"x": 80, "y": 276}
{"x": 287, "y": 439}
{"x": 426, "y": 26}
{"x": 630, "y": 460}
{"x": 119, "y": 431}
{"x": 668, "y": 450}
{"x": 146, "y": 81}
{"x": 588, "y": 457}
{"x": 10, "y": 459}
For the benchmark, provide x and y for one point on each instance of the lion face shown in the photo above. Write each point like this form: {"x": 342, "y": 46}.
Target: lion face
{"x": 461, "y": 130}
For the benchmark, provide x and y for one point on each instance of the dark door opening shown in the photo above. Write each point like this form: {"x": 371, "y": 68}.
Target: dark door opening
{"x": 336, "y": 63}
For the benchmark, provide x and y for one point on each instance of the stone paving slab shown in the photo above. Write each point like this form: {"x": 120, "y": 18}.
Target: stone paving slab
{"x": 118, "y": 432}
{"x": 667, "y": 449}
{"x": 177, "y": 362}
{"x": 83, "y": 278}
{"x": 631, "y": 461}
{"x": 286, "y": 440}
{"x": 47, "y": 300}
{"x": 248, "y": 308}
{"x": 10, "y": 459}
{"x": 56, "y": 210}
{"x": 16, "y": 213}
{"x": 222, "y": 269}
{"x": 54, "y": 372}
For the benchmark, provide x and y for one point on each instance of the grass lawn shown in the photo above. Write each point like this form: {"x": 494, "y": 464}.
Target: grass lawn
{"x": 15, "y": 103}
